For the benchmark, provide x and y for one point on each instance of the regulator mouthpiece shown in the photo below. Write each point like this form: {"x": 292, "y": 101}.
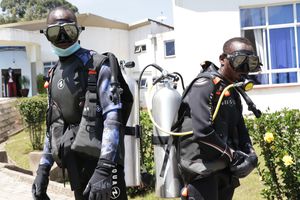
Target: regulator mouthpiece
{"x": 248, "y": 85}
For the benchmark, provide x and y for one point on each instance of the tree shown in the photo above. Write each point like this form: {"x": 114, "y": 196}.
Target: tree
{"x": 27, "y": 10}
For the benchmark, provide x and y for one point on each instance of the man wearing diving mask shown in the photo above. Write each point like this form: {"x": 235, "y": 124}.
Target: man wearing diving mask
{"x": 90, "y": 177}
{"x": 63, "y": 34}
{"x": 220, "y": 150}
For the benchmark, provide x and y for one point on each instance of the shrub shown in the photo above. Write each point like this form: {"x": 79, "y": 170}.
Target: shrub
{"x": 40, "y": 84}
{"x": 25, "y": 82}
{"x": 33, "y": 111}
{"x": 147, "y": 156}
{"x": 278, "y": 135}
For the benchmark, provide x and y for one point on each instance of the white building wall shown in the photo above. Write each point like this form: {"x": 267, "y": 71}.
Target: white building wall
{"x": 202, "y": 27}
{"x": 140, "y": 36}
{"x": 105, "y": 39}
{"x": 148, "y": 35}
{"x": 168, "y": 63}
{"x": 46, "y": 50}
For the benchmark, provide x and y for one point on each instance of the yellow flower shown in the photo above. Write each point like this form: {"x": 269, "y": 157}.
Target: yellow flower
{"x": 287, "y": 160}
{"x": 269, "y": 137}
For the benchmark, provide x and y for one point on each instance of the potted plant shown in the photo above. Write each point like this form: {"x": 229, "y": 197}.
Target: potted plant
{"x": 24, "y": 81}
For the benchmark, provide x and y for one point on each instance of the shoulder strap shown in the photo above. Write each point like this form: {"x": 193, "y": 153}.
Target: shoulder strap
{"x": 84, "y": 55}
{"x": 209, "y": 75}
{"x": 93, "y": 67}
{"x": 48, "y": 80}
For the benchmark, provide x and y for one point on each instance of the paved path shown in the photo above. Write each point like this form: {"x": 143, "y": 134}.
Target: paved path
{"x": 17, "y": 186}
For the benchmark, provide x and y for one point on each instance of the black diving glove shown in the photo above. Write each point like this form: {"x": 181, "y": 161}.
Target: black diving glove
{"x": 244, "y": 163}
{"x": 40, "y": 184}
{"x": 100, "y": 184}
{"x": 238, "y": 157}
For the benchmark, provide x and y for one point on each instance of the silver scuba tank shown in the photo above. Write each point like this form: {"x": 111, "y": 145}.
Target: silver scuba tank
{"x": 165, "y": 105}
{"x": 131, "y": 142}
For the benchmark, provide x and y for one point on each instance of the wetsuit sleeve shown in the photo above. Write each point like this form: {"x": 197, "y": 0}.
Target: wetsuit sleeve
{"x": 110, "y": 112}
{"x": 201, "y": 105}
{"x": 47, "y": 158}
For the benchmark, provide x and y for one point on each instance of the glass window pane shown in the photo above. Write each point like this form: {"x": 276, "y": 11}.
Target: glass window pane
{"x": 282, "y": 45}
{"x": 170, "y": 48}
{"x": 137, "y": 49}
{"x": 47, "y": 63}
{"x": 298, "y": 12}
{"x": 288, "y": 77}
{"x": 280, "y": 14}
{"x": 252, "y": 17}
{"x": 260, "y": 79}
{"x": 256, "y": 36}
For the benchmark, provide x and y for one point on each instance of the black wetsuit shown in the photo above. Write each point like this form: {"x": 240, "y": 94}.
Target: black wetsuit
{"x": 67, "y": 90}
{"x": 204, "y": 155}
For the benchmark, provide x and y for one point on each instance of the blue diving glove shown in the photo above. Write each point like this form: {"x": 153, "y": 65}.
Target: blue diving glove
{"x": 40, "y": 184}
{"x": 100, "y": 184}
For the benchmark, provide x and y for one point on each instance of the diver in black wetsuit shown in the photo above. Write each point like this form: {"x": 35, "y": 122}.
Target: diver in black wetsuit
{"x": 220, "y": 150}
{"x": 90, "y": 178}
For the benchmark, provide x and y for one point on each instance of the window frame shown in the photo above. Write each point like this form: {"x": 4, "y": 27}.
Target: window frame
{"x": 165, "y": 49}
{"x": 266, "y": 42}
{"x": 140, "y": 48}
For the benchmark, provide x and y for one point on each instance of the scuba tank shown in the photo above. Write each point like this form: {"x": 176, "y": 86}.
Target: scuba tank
{"x": 131, "y": 138}
{"x": 165, "y": 105}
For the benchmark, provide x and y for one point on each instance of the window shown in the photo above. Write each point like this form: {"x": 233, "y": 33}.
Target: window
{"x": 280, "y": 14}
{"x": 143, "y": 83}
{"x": 140, "y": 48}
{"x": 170, "y": 48}
{"x": 275, "y": 34}
{"x": 47, "y": 66}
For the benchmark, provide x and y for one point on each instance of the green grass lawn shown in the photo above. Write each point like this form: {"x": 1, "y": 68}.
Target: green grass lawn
{"x": 250, "y": 188}
{"x": 18, "y": 147}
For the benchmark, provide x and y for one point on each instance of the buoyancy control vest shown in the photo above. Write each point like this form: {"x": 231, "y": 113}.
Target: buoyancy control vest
{"x": 196, "y": 159}
{"x": 78, "y": 123}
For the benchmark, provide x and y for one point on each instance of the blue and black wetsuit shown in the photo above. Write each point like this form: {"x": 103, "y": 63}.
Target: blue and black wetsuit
{"x": 68, "y": 86}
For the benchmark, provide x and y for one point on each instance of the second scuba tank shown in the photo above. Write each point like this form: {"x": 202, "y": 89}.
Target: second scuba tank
{"x": 132, "y": 141}
{"x": 165, "y": 105}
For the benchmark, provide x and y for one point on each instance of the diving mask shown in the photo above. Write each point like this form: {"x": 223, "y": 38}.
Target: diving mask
{"x": 62, "y": 32}
{"x": 244, "y": 61}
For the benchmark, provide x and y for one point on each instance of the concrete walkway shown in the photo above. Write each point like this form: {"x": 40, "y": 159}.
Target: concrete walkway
{"x": 15, "y": 185}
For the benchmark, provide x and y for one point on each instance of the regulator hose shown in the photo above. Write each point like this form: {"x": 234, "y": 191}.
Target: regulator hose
{"x": 164, "y": 75}
{"x": 251, "y": 105}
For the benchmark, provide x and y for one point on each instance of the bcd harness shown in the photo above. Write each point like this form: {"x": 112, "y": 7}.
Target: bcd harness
{"x": 87, "y": 138}
{"x": 184, "y": 122}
